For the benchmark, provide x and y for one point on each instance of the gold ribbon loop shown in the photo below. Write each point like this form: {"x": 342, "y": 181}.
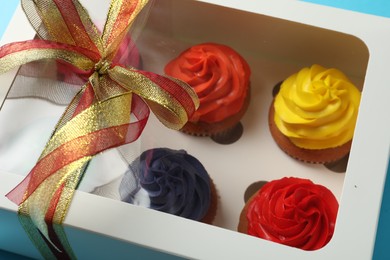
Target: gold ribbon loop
{"x": 72, "y": 25}
{"x": 121, "y": 16}
{"x": 17, "y": 54}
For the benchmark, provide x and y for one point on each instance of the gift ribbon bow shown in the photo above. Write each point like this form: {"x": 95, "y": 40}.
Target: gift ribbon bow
{"x": 110, "y": 110}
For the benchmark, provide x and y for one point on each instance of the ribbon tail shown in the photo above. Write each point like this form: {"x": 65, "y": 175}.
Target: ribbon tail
{"x": 45, "y": 194}
{"x": 43, "y": 212}
{"x": 42, "y": 244}
{"x": 19, "y": 53}
{"x": 47, "y": 233}
{"x": 47, "y": 206}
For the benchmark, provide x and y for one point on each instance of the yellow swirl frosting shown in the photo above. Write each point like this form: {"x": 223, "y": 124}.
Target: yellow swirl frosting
{"x": 317, "y": 108}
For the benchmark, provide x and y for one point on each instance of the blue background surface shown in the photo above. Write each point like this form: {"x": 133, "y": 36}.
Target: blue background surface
{"x": 382, "y": 248}
{"x": 376, "y": 7}
{"x": 7, "y": 9}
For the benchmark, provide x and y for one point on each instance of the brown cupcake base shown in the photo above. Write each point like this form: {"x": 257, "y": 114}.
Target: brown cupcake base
{"x": 212, "y": 212}
{"x": 223, "y": 127}
{"x": 321, "y": 156}
{"x": 243, "y": 221}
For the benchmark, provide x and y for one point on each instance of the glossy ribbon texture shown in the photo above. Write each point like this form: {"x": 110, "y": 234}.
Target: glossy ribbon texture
{"x": 110, "y": 110}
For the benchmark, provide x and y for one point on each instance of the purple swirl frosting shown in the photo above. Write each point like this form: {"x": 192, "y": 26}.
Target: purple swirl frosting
{"x": 175, "y": 182}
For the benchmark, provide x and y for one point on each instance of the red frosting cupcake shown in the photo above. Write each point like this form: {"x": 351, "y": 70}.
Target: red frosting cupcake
{"x": 291, "y": 211}
{"x": 220, "y": 77}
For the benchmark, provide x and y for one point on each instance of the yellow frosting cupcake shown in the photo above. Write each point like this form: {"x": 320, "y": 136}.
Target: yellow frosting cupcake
{"x": 316, "y": 110}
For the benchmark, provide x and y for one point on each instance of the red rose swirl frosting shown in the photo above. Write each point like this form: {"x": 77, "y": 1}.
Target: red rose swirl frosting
{"x": 295, "y": 212}
{"x": 219, "y": 76}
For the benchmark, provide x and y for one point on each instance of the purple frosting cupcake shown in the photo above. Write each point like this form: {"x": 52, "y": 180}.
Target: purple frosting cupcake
{"x": 170, "y": 181}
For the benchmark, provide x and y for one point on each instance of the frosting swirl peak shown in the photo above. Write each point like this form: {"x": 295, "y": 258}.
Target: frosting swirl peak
{"x": 293, "y": 211}
{"x": 219, "y": 76}
{"x": 317, "y": 108}
{"x": 175, "y": 182}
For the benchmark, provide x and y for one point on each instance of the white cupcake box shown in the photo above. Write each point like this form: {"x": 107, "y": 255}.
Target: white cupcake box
{"x": 276, "y": 38}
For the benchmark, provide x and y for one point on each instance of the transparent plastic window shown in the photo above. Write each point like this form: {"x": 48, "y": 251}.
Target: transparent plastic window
{"x": 273, "y": 48}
